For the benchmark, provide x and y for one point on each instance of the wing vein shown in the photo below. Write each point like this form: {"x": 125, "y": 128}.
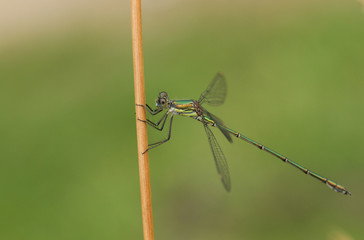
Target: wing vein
{"x": 219, "y": 157}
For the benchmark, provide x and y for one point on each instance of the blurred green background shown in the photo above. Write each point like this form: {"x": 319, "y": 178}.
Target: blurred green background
{"x": 295, "y": 72}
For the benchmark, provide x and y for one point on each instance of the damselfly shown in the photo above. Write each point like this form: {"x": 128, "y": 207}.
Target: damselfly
{"x": 215, "y": 95}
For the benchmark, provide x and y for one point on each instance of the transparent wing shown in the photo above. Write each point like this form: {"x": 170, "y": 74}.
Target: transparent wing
{"x": 218, "y": 122}
{"x": 215, "y": 93}
{"x": 220, "y": 160}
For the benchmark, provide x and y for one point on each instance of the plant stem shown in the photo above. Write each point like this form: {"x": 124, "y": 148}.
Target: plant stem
{"x": 142, "y": 138}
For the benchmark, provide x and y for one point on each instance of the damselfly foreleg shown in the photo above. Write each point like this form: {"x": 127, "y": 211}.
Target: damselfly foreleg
{"x": 150, "y": 110}
{"x": 156, "y": 144}
{"x": 155, "y": 125}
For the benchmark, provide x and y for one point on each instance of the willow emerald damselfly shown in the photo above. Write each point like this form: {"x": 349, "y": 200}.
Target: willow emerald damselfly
{"x": 215, "y": 95}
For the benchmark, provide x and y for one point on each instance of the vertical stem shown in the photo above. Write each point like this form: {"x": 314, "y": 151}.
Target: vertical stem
{"x": 144, "y": 176}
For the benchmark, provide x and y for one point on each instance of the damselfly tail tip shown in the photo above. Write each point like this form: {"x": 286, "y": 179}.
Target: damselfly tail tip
{"x": 345, "y": 192}
{"x": 337, "y": 188}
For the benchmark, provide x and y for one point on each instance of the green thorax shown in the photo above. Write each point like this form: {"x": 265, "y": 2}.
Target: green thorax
{"x": 184, "y": 107}
{"x": 183, "y": 104}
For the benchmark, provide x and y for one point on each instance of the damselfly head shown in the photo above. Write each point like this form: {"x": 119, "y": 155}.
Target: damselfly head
{"x": 162, "y": 101}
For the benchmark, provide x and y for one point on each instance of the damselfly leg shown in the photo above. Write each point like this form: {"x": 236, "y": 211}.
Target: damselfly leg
{"x": 155, "y": 125}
